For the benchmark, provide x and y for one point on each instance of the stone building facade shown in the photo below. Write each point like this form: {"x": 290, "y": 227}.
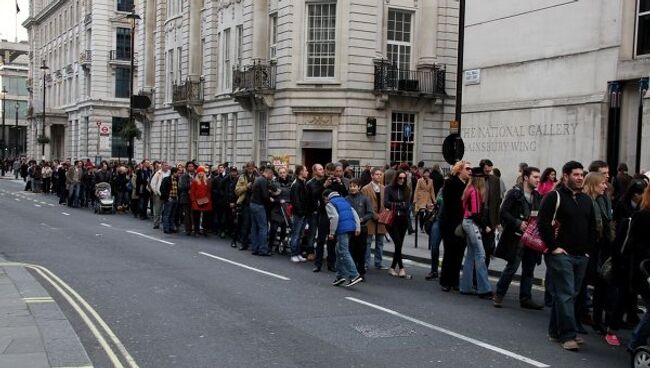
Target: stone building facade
{"x": 13, "y": 78}
{"x": 549, "y": 81}
{"x": 85, "y": 45}
{"x": 296, "y": 80}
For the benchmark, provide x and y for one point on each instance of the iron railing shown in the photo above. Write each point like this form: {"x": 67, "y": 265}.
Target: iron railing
{"x": 389, "y": 78}
{"x": 122, "y": 55}
{"x": 188, "y": 92}
{"x": 258, "y": 76}
{"x": 88, "y": 18}
{"x": 85, "y": 57}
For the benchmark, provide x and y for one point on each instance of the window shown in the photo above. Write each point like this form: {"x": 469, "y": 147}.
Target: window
{"x": 643, "y": 28}
{"x": 118, "y": 144}
{"x": 122, "y": 79}
{"x": 123, "y": 44}
{"x": 273, "y": 36}
{"x": 179, "y": 71}
{"x": 321, "y": 36}
{"x": 125, "y": 5}
{"x": 226, "y": 59}
{"x": 402, "y": 132}
{"x": 261, "y": 135}
{"x": 240, "y": 43}
{"x": 15, "y": 86}
{"x": 399, "y": 41}
{"x": 173, "y": 8}
{"x": 170, "y": 74}
{"x": 194, "y": 138}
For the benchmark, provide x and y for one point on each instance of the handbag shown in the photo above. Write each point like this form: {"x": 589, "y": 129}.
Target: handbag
{"x": 387, "y": 217}
{"x": 202, "y": 201}
{"x": 606, "y": 272}
{"x": 459, "y": 231}
{"x": 531, "y": 238}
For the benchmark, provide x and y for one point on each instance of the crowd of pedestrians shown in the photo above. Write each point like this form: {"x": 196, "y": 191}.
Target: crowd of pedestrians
{"x": 594, "y": 228}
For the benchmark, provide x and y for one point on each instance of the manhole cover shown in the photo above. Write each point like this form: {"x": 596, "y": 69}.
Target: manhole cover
{"x": 375, "y": 332}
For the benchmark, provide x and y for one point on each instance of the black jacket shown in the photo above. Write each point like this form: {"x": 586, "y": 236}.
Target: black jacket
{"x": 577, "y": 232}
{"x": 218, "y": 196}
{"x": 260, "y": 191}
{"x": 452, "y": 205}
{"x": 398, "y": 199}
{"x": 514, "y": 210}
{"x": 315, "y": 190}
{"x": 299, "y": 198}
{"x": 638, "y": 249}
{"x": 165, "y": 188}
{"x": 362, "y": 205}
{"x": 228, "y": 188}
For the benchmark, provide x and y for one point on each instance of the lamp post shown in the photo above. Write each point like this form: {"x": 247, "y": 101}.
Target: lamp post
{"x": 16, "y": 133}
{"x": 132, "y": 18}
{"x": 2, "y": 139}
{"x": 44, "y": 68}
{"x": 643, "y": 88}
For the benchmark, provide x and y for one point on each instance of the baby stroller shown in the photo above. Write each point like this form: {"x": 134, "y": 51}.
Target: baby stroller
{"x": 641, "y": 355}
{"x": 279, "y": 237}
{"x": 104, "y": 202}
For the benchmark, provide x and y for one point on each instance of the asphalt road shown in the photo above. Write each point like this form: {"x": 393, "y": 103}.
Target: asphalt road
{"x": 171, "y": 305}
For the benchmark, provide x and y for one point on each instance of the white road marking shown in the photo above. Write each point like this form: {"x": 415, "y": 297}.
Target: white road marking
{"x": 17, "y": 200}
{"x": 105, "y": 225}
{"x": 37, "y": 205}
{"x": 452, "y": 333}
{"x": 149, "y": 237}
{"x": 50, "y": 204}
{"x": 43, "y": 202}
{"x": 65, "y": 214}
{"x": 42, "y": 299}
{"x": 284, "y": 278}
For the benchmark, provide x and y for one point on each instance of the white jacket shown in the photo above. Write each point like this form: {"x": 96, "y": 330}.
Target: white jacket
{"x": 156, "y": 180}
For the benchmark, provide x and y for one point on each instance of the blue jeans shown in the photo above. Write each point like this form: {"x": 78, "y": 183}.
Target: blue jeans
{"x": 73, "y": 196}
{"x": 641, "y": 332}
{"x": 435, "y": 237}
{"x": 345, "y": 267}
{"x": 379, "y": 249}
{"x": 474, "y": 260}
{"x": 566, "y": 273}
{"x": 527, "y": 259}
{"x": 297, "y": 229}
{"x": 259, "y": 228}
{"x": 169, "y": 210}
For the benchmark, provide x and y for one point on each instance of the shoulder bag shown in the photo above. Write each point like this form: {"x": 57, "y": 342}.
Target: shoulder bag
{"x": 531, "y": 238}
{"x": 387, "y": 217}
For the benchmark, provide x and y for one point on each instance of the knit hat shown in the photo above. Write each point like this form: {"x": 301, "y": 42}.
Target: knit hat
{"x": 477, "y": 172}
{"x": 200, "y": 170}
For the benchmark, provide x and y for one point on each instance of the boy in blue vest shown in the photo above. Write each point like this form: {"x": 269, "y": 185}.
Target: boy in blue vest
{"x": 344, "y": 222}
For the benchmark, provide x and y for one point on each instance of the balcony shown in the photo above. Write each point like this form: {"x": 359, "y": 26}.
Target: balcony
{"x": 85, "y": 57}
{"x": 187, "y": 98}
{"x": 68, "y": 69}
{"x": 122, "y": 57}
{"x": 88, "y": 18}
{"x": 254, "y": 83}
{"x": 411, "y": 83}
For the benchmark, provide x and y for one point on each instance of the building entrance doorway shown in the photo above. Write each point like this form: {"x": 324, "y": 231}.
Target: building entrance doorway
{"x": 313, "y": 156}
{"x": 57, "y": 142}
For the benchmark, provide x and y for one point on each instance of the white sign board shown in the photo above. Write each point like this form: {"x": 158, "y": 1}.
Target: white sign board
{"x": 472, "y": 76}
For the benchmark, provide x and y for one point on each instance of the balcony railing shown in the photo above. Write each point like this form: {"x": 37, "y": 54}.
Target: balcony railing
{"x": 259, "y": 76}
{"x": 120, "y": 55}
{"x": 85, "y": 57}
{"x": 68, "y": 69}
{"x": 88, "y": 18}
{"x": 187, "y": 93}
{"x": 390, "y": 79}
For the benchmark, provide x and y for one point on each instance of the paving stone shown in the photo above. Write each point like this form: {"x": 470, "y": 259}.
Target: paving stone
{"x": 31, "y": 360}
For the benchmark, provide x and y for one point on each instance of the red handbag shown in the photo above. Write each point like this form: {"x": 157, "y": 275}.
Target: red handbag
{"x": 386, "y": 217}
{"x": 531, "y": 238}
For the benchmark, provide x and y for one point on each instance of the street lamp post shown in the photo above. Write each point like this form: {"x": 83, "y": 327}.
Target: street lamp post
{"x": 643, "y": 88}
{"x": 2, "y": 139}
{"x": 44, "y": 68}
{"x": 133, "y": 17}
{"x": 16, "y": 135}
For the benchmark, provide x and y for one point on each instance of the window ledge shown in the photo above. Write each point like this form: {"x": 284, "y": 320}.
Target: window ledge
{"x": 321, "y": 82}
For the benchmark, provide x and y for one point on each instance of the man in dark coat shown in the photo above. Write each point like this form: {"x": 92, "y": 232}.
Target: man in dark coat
{"x": 492, "y": 205}
{"x": 185, "y": 205}
{"x": 520, "y": 203}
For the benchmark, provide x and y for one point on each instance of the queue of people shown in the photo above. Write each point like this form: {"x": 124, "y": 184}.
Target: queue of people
{"x": 593, "y": 228}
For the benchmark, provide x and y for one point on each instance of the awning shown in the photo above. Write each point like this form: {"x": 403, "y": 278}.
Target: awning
{"x": 321, "y": 139}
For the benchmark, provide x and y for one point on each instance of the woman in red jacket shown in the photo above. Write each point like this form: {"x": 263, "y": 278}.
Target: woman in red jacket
{"x": 200, "y": 197}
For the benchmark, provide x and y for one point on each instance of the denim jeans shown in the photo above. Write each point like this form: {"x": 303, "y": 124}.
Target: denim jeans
{"x": 259, "y": 228}
{"x": 567, "y": 273}
{"x": 474, "y": 260}
{"x": 344, "y": 264}
{"x": 73, "y": 196}
{"x": 435, "y": 237}
{"x": 297, "y": 229}
{"x": 379, "y": 249}
{"x": 641, "y": 332}
{"x": 169, "y": 210}
{"x": 527, "y": 259}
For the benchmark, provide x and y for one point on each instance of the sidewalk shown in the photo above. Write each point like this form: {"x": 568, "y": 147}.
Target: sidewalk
{"x": 34, "y": 332}
{"x": 422, "y": 254}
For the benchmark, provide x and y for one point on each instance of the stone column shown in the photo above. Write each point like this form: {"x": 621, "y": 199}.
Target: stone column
{"x": 195, "y": 41}
{"x": 427, "y": 34}
{"x": 260, "y": 29}
{"x": 381, "y": 26}
{"x": 149, "y": 46}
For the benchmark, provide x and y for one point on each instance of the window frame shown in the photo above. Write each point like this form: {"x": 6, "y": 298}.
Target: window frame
{"x": 334, "y": 42}
{"x": 273, "y": 36}
{"x": 400, "y": 44}
{"x": 226, "y": 60}
{"x": 395, "y": 155}
{"x": 637, "y": 20}
{"x": 120, "y": 73}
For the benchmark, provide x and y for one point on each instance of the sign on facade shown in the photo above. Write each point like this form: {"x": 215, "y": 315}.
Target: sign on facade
{"x": 472, "y": 76}
{"x": 204, "y": 129}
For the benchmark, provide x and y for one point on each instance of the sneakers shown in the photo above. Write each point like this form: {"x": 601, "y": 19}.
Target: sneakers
{"x": 392, "y": 272}
{"x": 497, "y": 301}
{"x": 354, "y": 281}
{"x": 295, "y": 259}
{"x": 530, "y": 304}
{"x": 612, "y": 339}
{"x": 431, "y": 276}
{"x": 302, "y": 259}
{"x": 402, "y": 273}
{"x": 339, "y": 281}
{"x": 571, "y": 345}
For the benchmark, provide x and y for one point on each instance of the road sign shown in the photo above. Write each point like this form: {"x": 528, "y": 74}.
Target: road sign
{"x": 104, "y": 130}
{"x": 99, "y": 123}
{"x": 453, "y": 149}
{"x": 454, "y": 126}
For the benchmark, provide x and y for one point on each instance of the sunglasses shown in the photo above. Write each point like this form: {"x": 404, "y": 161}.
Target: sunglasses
{"x": 401, "y": 177}
{"x": 468, "y": 168}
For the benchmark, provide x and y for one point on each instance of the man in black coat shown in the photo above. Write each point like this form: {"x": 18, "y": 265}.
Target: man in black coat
{"x": 452, "y": 216}
{"x": 520, "y": 203}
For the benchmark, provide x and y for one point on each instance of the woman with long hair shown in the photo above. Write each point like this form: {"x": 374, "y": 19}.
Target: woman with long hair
{"x": 474, "y": 224}
{"x": 595, "y": 186}
{"x": 424, "y": 196}
{"x": 200, "y": 197}
{"x": 452, "y": 215}
{"x": 548, "y": 181}
{"x": 396, "y": 198}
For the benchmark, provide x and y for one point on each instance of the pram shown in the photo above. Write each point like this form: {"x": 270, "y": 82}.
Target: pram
{"x": 281, "y": 220}
{"x": 104, "y": 200}
{"x": 641, "y": 355}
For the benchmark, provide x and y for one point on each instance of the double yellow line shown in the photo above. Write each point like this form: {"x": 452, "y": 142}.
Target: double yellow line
{"x": 85, "y": 311}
